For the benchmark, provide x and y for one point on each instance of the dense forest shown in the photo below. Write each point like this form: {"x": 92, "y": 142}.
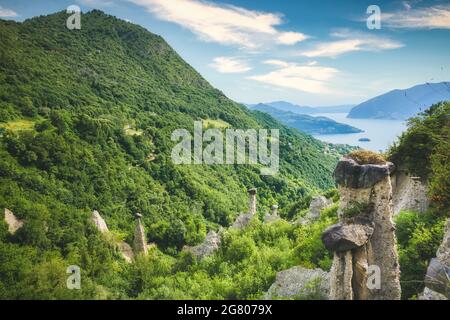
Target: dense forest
{"x": 86, "y": 118}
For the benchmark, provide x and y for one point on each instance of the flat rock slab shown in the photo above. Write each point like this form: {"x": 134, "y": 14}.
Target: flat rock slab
{"x": 298, "y": 282}
{"x": 344, "y": 237}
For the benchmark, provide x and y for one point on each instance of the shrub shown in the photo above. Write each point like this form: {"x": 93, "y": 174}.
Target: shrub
{"x": 366, "y": 157}
{"x": 427, "y": 134}
{"x": 355, "y": 209}
{"x": 310, "y": 251}
{"x": 312, "y": 291}
{"x": 240, "y": 248}
{"x": 332, "y": 194}
{"x": 419, "y": 235}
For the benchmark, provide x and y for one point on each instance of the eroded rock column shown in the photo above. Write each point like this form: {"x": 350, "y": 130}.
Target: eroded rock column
{"x": 365, "y": 264}
{"x": 273, "y": 216}
{"x": 274, "y": 210}
{"x": 140, "y": 243}
{"x": 99, "y": 222}
{"x": 252, "y": 201}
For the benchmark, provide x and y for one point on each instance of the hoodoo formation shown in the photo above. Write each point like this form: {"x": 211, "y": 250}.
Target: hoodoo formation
{"x": 365, "y": 263}
{"x": 140, "y": 243}
{"x": 252, "y": 201}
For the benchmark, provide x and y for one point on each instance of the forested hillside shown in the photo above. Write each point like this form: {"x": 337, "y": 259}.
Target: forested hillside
{"x": 86, "y": 118}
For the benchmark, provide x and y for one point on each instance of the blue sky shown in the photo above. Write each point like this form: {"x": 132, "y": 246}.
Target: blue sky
{"x": 306, "y": 52}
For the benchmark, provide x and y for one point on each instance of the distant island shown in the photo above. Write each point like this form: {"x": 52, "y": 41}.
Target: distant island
{"x": 306, "y": 123}
{"x": 402, "y": 104}
{"x": 364, "y": 140}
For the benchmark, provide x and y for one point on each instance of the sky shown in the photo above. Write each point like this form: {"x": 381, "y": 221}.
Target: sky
{"x": 313, "y": 53}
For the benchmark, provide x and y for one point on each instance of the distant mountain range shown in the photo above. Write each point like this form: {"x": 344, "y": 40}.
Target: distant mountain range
{"x": 402, "y": 104}
{"x": 305, "y": 123}
{"x": 287, "y": 106}
{"x": 394, "y": 105}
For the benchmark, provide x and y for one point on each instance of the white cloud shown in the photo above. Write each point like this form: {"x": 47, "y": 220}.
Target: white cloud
{"x": 224, "y": 24}
{"x": 289, "y": 38}
{"x": 310, "y": 78}
{"x": 350, "y": 42}
{"x": 7, "y": 13}
{"x": 278, "y": 63}
{"x": 230, "y": 65}
{"x": 435, "y": 17}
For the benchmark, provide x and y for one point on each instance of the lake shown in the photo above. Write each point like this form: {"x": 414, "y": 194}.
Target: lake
{"x": 382, "y": 133}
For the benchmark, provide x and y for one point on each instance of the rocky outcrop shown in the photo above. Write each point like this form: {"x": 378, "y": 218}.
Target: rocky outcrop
{"x": 316, "y": 206}
{"x": 126, "y": 251}
{"x": 365, "y": 239}
{"x": 208, "y": 247}
{"x": 409, "y": 193}
{"x": 438, "y": 276}
{"x": 443, "y": 253}
{"x": 268, "y": 218}
{"x": 429, "y": 294}
{"x": 139, "y": 243}
{"x": 437, "y": 279}
{"x": 299, "y": 282}
{"x": 99, "y": 222}
{"x": 243, "y": 220}
{"x": 124, "y": 248}
{"x": 13, "y": 223}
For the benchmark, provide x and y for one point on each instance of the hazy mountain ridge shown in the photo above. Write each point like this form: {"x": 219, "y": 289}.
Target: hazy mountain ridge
{"x": 287, "y": 106}
{"x": 402, "y": 104}
{"x": 306, "y": 123}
